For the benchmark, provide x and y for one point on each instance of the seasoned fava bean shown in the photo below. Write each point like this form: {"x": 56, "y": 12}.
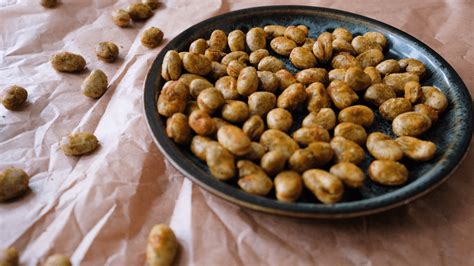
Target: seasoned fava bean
{"x": 307, "y": 135}
{"x": 268, "y": 81}
{"x": 311, "y": 75}
{"x": 351, "y": 131}
{"x": 187, "y": 78}
{"x": 374, "y": 74}
{"x": 292, "y": 97}
{"x": 57, "y": 260}
{"x": 357, "y": 79}
{"x": 325, "y": 186}
{"x": 256, "y": 153}
{"x": 234, "y": 139}
{"x": 273, "y": 162}
{"x": 235, "y": 111}
{"x": 152, "y": 37}
{"x": 190, "y": 107}
{"x": 220, "y": 161}
{"x": 199, "y": 46}
{"x": 370, "y": 57}
{"x": 411, "y": 124}
{"x": 227, "y": 85}
{"x": 288, "y": 186}
{"x": 171, "y": 67}
{"x": 286, "y": 78}
{"x": 13, "y": 183}
{"x": 247, "y": 83}
{"x": 324, "y": 118}
{"x": 48, "y": 4}
{"x": 427, "y": 110}
{"x": 347, "y": 150}
{"x": 398, "y": 80}
{"x": 254, "y": 127}
{"x": 413, "y": 92}
{"x": 218, "y": 40}
{"x": 344, "y": 60}
{"x": 252, "y": 179}
{"x": 197, "y": 64}
{"x": 256, "y": 39}
{"x": 256, "y": 56}
{"x": 68, "y": 62}
{"x": 382, "y": 147}
{"x": 378, "y": 93}
{"x": 317, "y": 97}
{"x": 162, "y": 246}
{"x": 202, "y": 123}
{"x": 280, "y": 119}
{"x": 304, "y": 28}
{"x": 362, "y": 44}
{"x": 95, "y": 84}
{"x": 416, "y": 149}
{"x": 317, "y": 154}
{"x": 340, "y": 45}
{"x": 388, "y": 66}
{"x": 337, "y": 74}
{"x": 309, "y": 43}
{"x": 391, "y": 108}
{"x": 296, "y": 34}
{"x": 341, "y": 94}
{"x": 342, "y": 33}
{"x": 358, "y": 114}
{"x": 14, "y": 97}
{"x": 322, "y": 48}
{"x": 219, "y": 122}
{"x": 273, "y": 31}
{"x": 177, "y": 128}
{"x": 273, "y": 139}
{"x": 236, "y": 40}
{"x": 282, "y": 45}
{"x": 234, "y": 68}
{"x": 199, "y": 145}
{"x": 240, "y": 56}
{"x": 139, "y": 11}
{"x": 9, "y": 257}
{"x": 350, "y": 174}
{"x": 218, "y": 70}
{"x": 412, "y": 65}
{"x": 302, "y": 58}
{"x": 210, "y": 100}
{"x": 377, "y": 37}
{"x": 79, "y": 143}
{"x": 107, "y": 51}
{"x": 388, "y": 173}
{"x": 270, "y": 63}
{"x": 434, "y": 98}
{"x": 214, "y": 55}
{"x": 261, "y": 102}
{"x": 121, "y": 18}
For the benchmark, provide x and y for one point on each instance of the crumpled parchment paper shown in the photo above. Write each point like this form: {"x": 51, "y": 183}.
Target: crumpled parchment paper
{"x": 98, "y": 209}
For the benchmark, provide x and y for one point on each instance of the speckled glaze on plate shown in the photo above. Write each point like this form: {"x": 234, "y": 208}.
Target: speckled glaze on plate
{"x": 452, "y": 133}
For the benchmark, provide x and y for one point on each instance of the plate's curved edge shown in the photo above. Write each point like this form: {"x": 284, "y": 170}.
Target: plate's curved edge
{"x": 150, "y": 112}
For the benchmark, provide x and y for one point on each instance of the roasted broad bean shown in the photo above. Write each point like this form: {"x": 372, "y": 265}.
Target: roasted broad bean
{"x": 256, "y": 39}
{"x": 13, "y": 183}
{"x": 342, "y": 33}
{"x": 227, "y": 85}
{"x": 220, "y": 161}
{"x": 388, "y": 66}
{"x": 341, "y": 94}
{"x": 427, "y": 110}
{"x": 236, "y": 40}
{"x": 210, "y": 100}
{"x": 370, "y": 57}
{"x": 273, "y": 161}
{"x": 323, "y": 48}
{"x": 177, "y": 128}
{"x": 302, "y": 58}
{"x": 256, "y": 56}
{"x": 351, "y": 131}
{"x": 171, "y": 67}
{"x": 325, "y": 186}
{"x": 416, "y": 149}
{"x": 121, "y": 18}
{"x": 162, "y": 246}
{"x": 218, "y": 40}
{"x": 317, "y": 97}
{"x": 434, "y": 98}
{"x": 234, "y": 139}
{"x": 288, "y": 186}
{"x": 324, "y": 118}
{"x": 296, "y": 34}
{"x": 261, "y": 102}
{"x": 107, "y": 51}
{"x": 350, "y": 174}
{"x": 256, "y": 152}
{"x": 14, "y": 97}
{"x": 388, "y": 173}
{"x": 199, "y": 46}
{"x": 95, "y": 84}
{"x": 292, "y": 97}
{"x": 254, "y": 127}
{"x": 79, "y": 143}
{"x": 197, "y": 64}
{"x": 411, "y": 124}
{"x": 152, "y": 37}
{"x": 234, "y": 68}
{"x": 362, "y": 44}
{"x": 268, "y": 81}
{"x": 282, "y": 45}
{"x": 235, "y": 111}
{"x": 273, "y": 139}
{"x": 307, "y": 135}
{"x": 197, "y": 86}
{"x": 374, "y": 74}
{"x": 357, "y": 79}
{"x": 270, "y": 63}
{"x": 280, "y": 119}
{"x": 247, "y": 82}
{"x": 344, "y": 60}
{"x": 317, "y": 154}
{"x": 311, "y": 75}
{"x": 139, "y": 11}
{"x": 398, "y": 80}
{"x": 252, "y": 179}
{"x": 273, "y": 31}
{"x": 68, "y": 62}
{"x": 393, "y": 107}
{"x": 382, "y": 147}
{"x": 414, "y": 66}
{"x": 379, "y": 93}
{"x": 201, "y": 122}
{"x": 413, "y": 92}
{"x": 286, "y": 78}
{"x": 347, "y": 150}
{"x": 240, "y": 56}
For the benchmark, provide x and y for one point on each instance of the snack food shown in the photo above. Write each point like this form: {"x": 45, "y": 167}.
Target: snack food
{"x": 152, "y": 37}
{"x": 162, "y": 246}
{"x": 68, "y": 62}
{"x": 139, "y": 11}
{"x": 107, "y": 51}
{"x": 79, "y": 143}
{"x": 13, "y": 183}
{"x": 14, "y": 97}
{"x": 57, "y": 260}
{"x": 95, "y": 84}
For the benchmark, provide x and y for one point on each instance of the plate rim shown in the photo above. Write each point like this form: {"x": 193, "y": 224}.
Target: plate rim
{"x": 367, "y": 206}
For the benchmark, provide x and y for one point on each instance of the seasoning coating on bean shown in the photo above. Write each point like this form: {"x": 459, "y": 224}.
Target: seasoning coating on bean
{"x": 302, "y": 58}
{"x": 370, "y": 57}
{"x": 68, "y": 62}
{"x": 273, "y": 161}
{"x": 235, "y": 111}
{"x": 210, "y": 100}
{"x": 220, "y": 161}
{"x": 256, "y": 56}
{"x": 288, "y": 186}
{"x": 307, "y": 135}
{"x": 268, "y": 81}
{"x": 261, "y": 102}
{"x": 201, "y": 122}
{"x": 282, "y": 45}
{"x": 107, "y": 51}
{"x": 273, "y": 139}
{"x": 13, "y": 183}
{"x": 341, "y": 94}
{"x": 344, "y": 60}
{"x": 252, "y": 179}
{"x": 325, "y": 186}
{"x": 342, "y": 33}
{"x": 197, "y": 86}
{"x": 218, "y": 70}
{"x": 214, "y": 55}
{"x": 14, "y": 97}
{"x": 236, "y": 40}
{"x": 256, "y": 153}
{"x": 357, "y": 79}
{"x": 152, "y": 37}
{"x": 379, "y": 93}
{"x": 377, "y": 37}
{"x": 139, "y": 11}
{"x": 411, "y": 124}
{"x": 323, "y": 48}
{"x": 79, "y": 143}
{"x": 280, "y": 119}
{"x": 362, "y": 44}
{"x": 234, "y": 68}
{"x": 347, "y": 150}
{"x": 286, "y": 78}
{"x": 177, "y": 128}
{"x": 227, "y": 85}
{"x": 427, "y": 110}
{"x": 198, "y": 46}
{"x": 273, "y": 31}
{"x": 292, "y": 97}
{"x": 351, "y": 131}
{"x": 434, "y": 98}
{"x": 247, "y": 83}
{"x": 317, "y": 97}
{"x": 391, "y": 108}
{"x": 296, "y": 34}
{"x": 413, "y": 92}
{"x": 317, "y": 154}
{"x": 388, "y": 173}
{"x": 398, "y": 80}
{"x": 121, "y": 18}
{"x": 95, "y": 84}
{"x": 337, "y": 74}
{"x": 358, "y": 114}
{"x": 162, "y": 246}
{"x": 388, "y": 66}
{"x": 172, "y": 98}
{"x": 340, "y": 45}
{"x": 57, "y": 260}
{"x": 412, "y": 65}
{"x": 199, "y": 144}
{"x": 197, "y": 64}
{"x": 311, "y": 75}
{"x": 374, "y": 74}
{"x": 240, "y": 56}
{"x": 234, "y": 139}
{"x": 218, "y": 40}
{"x": 256, "y": 39}
{"x": 416, "y": 149}
{"x": 382, "y": 147}
{"x": 171, "y": 67}
{"x": 254, "y": 127}
{"x": 270, "y": 63}
{"x": 350, "y": 174}
{"x": 324, "y": 118}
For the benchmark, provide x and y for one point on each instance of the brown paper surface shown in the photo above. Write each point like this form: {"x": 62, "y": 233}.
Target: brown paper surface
{"x": 98, "y": 209}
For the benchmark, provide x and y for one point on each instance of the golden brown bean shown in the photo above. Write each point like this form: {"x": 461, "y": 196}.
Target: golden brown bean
{"x": 234, "y": 68}
{"x": 256, "y": 39}
{"x": 236, "y": 40}
{"x": 391, "y": 108}
{"x": 374, "y": 74}
{"x": 309, "y": 43}
{"x": 234, "y": 139}
{"x": 337, "y": 74}
{"x": 268, "y": 81}
{"x": 317, "y": 154}
{"x": 219, "y": 122}
{"x": 379, "y": 93}
{"x": 288, "y": 186}
{"x": 197, "y": 64}
{"x": 187, "y": 78}
{"x": 139, "y": 11}
{"x": 377, "y": 37}
{"x": 302, "y": 58}
{"x": 199, "y": 46}
{"x": 273, "y": 162}
{"x": 256, "y": 56}
{"x": 240, "y": 56}
{"x": 107, "y": 51}
{"x": 121, "y": 18}
{"x": 79, "y": 143}
{"x": 171, "y": 67}
{"x": 177, "y": 128}
{"x": 13, "y": 183}
{"x": 218, "y": 40}
{"x": 388, "y": 173}
{"x": 95, "y": 84}
{"x": 350, "y": 174}
{"x": 322, "y": 48}
{"x": 68, "y": 62}
{"x": 261, "y": 102}
{"x": 411, "y": 124}
{"x": 286, "y": 78}
{"x": 382, "y": 147}
{"x": 434, "y": 98}
{"x": 57, "y": 260}
{"x": 252, "y": 179}
{"x": 351, "y": 131}
{"x": 324, "y": 118}
{"x": 358, "y": 114}
{"x": 254, "y": 127}
{"x": 218, "y": 70}
{"x": 247, "y": 83}
{"x": 256, "y": 153}
{"x": 235, "y": 111}
{"x": 413, "y": 92}
{"x": 14, "y": 97}
{"x": 347, "y": 150}
{"x": 296, "y": 34}
{"x": 427, "y": 110}
{"x": 341, "y": 94}
{"x": 152, "y": 37}
{"x": 172, "y": 98}
{"x": 9, "y": 257}
{"x": 311, "y": 75}
{"x": 398, "y": 80}
{"x": 325, "y": 186}
{"x": 307, "y": 135}
{"x": 199, "y": 145}
{"x": 342, "y": 33}
{"x": 357, "y": 79}
{"x": 270, "y": 63}
{"x": 370, "y": 57}
{"x": 292, "y": 97}
{"x": 197, "y": 86}
{"x": 227, "y": 85}
{"x": 317, "y": 97}
{"x": 162, "y": 246}
{"x": 304, "y": 28}
{"x": 210, "y": 100}
{"x": 416, "y": 149}
{"x": 282, "y": 45}
{"x": 201, "y": 122}
{"x": 362, "y": 44}
{"x": 273, "y": 139}
{"x": 273, "y": 31}
{"x": 412, "y": 65}
{"x": 280, "y": 119}
{"x": 388, "y": 66}
{"x": 214, "y": 55}
{"x": 220, "y": 161}
{"x": 340, "y": 45}
{"x": 344, "y": 60}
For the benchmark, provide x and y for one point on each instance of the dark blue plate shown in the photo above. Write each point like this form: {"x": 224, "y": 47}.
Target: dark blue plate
{"x": 452, "y": 133}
